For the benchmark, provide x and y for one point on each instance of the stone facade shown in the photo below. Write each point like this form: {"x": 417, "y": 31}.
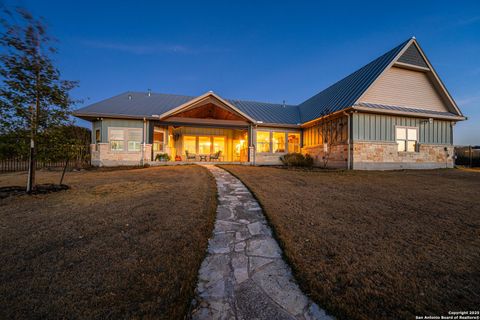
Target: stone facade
{"x": 268, "y": 158}
{"x": 337, "y": 155}
{"x": 102, "y": 156}
{"x": 374, "y": 155}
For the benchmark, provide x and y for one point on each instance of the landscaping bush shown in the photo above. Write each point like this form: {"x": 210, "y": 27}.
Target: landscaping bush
{"x": 297, "y": 160}
{"x": 162, "y": 157}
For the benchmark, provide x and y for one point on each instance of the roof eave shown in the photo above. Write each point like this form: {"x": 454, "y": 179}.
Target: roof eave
{"x": 91, "y": 116}
{"x": 412, "y": 114}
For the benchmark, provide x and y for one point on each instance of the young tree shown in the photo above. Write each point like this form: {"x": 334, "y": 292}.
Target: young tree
{"x": 32, "y": 94}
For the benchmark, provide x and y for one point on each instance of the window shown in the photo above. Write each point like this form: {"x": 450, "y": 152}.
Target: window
{"x": 406, "y": 138}
{"x": 204, "y": 145}
{"x": 263, "y": 141}
{"x": 293, "y": 142}
{"x": 190, "y": 144}
{"x": 116, "y": 139}
{"x": 158, "y": 139}
{"x": 219, "y": 144}
{"x": 134, "y": 138}
{"x": 98, "y": 138}
{"x": 278, "y": 139}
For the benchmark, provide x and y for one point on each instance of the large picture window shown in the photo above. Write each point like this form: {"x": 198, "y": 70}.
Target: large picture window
{"x": 278, "y": 139}
{"x": 263, "y": 141}
{"x": 219, "y": 144}
{"x": 190, "y": 144}
{"x": 406, "y": 138}
{"x": 294, "y": 142}
{"x": 134, "y": 138}
{"x": 204, "y": 145}
{"x": 116, "y": 138}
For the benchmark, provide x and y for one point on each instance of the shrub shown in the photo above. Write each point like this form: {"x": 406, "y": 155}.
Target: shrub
{"x": 297, "y": 160}
{"x": 162, "y": 157}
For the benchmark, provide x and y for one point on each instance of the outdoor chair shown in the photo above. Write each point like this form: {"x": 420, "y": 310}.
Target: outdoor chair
{"x": 215, "y": 156}
{"x": 190, "y": 156}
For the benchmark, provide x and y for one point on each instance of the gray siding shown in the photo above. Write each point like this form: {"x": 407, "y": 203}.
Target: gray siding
{"x": 375, "y": 127}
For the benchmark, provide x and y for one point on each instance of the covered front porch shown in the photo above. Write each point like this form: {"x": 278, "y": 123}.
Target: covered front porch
{"x": 189, "y": 143}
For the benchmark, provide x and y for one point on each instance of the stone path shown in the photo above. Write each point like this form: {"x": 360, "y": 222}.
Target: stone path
{"x": 243, "y": 275}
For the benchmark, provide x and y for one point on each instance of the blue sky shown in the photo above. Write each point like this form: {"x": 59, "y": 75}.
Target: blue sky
{"x": 266, "y": 51}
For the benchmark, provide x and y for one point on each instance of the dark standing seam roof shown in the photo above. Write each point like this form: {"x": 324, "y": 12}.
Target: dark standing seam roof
{"x": 346, "y": 92}
{"x": 343, "y": 94}
{"x": 142, "y": 105}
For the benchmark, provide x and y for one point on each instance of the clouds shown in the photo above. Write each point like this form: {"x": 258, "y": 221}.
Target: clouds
{"x": 150, "y": 48}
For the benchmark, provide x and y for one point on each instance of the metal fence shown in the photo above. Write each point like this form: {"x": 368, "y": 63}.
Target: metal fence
{"x": 467, "y": 156}
{"x": 80, "y": 159}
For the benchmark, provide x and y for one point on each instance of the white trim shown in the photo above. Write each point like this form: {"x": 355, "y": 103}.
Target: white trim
{"x": 406, "y": 137}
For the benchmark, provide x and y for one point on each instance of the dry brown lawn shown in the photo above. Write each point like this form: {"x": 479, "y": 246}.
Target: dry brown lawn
{"x": 377, "y": 245}
{"x": 118, "y": 244}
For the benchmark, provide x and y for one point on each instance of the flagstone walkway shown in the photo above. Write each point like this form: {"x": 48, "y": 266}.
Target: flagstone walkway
{"x": 243, "y": 275}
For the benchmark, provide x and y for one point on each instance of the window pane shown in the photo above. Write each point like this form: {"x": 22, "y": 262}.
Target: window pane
{"x": 278, "y": 141}
{"x": 412, "y": 134}
{"x": 401, "y": 145}
{"x": 116, "y": 145}
{"x": 219, "y": 144}
{"x": 411, "y": 146}
{"x": 116, "y": 134}
{"x": 294, "y": 142}
{"x": 97, "y": 135}
{"x": 401, "y": 133}
{"x": 263, "y": 141}
{"x": 134, "y": 145}
{"x": 135, "y": 135}
{"x": 204, "y": 145}
{"x": 189, "y": 144}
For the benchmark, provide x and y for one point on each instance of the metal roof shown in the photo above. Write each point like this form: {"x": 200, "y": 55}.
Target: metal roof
{"x": 344, "y": 93}
{"x": 341, "y": 95}
{"x": 140, "y": 104}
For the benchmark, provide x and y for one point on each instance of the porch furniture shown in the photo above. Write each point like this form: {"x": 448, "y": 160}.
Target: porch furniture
{"x": 178, "y": 158}
{"x": 190, "y": 156}
{"x": 203, "y": 157}
{"x": 215, "y": 156}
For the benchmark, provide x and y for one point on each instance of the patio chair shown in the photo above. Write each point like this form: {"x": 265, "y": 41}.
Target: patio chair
{"x": 215, "y": 156}
{"x": 190, "y": 156}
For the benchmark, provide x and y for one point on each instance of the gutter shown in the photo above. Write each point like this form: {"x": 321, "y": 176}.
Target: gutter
{"x": 412, "y": 114}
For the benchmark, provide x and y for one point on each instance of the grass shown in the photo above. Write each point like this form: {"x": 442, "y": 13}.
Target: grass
{"x": 118, "y": 244}
{"x": 377, "y": 245}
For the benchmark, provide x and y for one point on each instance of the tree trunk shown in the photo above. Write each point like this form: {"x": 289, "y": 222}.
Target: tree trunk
{"x": 32, "y": 163}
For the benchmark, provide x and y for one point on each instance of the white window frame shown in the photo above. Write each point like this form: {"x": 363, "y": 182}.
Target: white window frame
{"x": 125, "y": 139}
{"x": 407, "y": 138}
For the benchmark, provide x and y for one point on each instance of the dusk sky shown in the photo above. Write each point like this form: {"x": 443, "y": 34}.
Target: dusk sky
{"x": 264, "y": 51}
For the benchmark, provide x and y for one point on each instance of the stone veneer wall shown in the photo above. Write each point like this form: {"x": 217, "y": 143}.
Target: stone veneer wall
{"x": 268, "y": 158}
{"x": 338, "y": 155}
{"x": 374, "y": 155}
{"x": 104, "y": 157}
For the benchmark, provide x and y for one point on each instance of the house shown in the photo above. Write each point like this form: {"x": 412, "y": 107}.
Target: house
{"x": 392, "y": 113}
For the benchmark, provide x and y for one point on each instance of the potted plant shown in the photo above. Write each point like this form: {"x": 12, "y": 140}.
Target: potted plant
{"x": 162, "y": 157}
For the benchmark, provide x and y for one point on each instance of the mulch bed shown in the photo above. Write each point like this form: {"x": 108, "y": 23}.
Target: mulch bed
{"x": 40, "y": 189}
{"x": 377, "y": 245}
{"x": 123, "y": 244}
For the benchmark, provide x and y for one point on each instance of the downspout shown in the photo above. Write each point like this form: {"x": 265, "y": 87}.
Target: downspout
{"x": 144, "y": 140}
{"x": 348, "y": 141}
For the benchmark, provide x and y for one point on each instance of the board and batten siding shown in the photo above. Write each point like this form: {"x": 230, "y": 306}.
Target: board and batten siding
{"x": 407, "y": 88}
{"x": 376, "y": 127}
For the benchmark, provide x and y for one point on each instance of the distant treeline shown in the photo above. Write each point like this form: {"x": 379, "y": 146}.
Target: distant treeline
{"x": 54, "y": 144}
